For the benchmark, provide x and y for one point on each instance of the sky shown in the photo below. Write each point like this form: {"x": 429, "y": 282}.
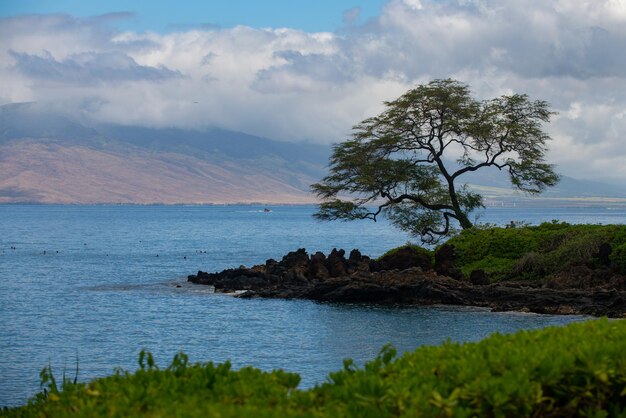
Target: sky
{"x": 163, "y": 16}
{"x": 309, "y": 71}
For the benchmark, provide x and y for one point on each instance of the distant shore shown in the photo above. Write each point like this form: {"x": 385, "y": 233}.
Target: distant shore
{"x": 557, "y": 202}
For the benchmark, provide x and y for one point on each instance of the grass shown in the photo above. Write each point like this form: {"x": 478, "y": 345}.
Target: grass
{"x": 576, "y": 370}
{"x": 536, "y": 252}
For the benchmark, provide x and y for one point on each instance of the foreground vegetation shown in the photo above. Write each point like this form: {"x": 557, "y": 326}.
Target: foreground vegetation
{"x": 577, "y": 370}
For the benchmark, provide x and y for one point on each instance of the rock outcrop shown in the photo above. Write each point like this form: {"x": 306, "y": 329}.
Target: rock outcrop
{"x": 406, "y": 277}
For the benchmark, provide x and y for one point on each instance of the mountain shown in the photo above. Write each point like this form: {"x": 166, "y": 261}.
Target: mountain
{"x": 29, "y": 120}
{"x": 46, "y": 157}
{"x": 49, "y": 157}
{"x": 494, "y": 184}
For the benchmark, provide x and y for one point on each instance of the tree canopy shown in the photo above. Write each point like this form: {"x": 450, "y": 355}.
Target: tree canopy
{"x": 407, "y": 162}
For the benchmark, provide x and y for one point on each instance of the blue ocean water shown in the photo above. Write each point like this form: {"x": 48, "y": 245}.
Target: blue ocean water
{"x": 99, "y": 283}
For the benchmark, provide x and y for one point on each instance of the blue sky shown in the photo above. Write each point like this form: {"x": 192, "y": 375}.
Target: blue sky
{"x": 163, "y": 16}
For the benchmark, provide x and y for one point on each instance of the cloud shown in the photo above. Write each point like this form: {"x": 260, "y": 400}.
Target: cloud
{"x": 351, "y": 16}
{"x": 312, "y": 69}
{"x": 292, "y": 85}
{"x": 529, "y": 39}
{"x": 89, "y": 68}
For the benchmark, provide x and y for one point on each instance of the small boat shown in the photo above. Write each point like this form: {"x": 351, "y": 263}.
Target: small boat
{"x": 266, "y": 210}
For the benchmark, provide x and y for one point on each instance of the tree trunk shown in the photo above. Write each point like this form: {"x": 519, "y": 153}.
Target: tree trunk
{"x": 463, "y": 219}
{"x": 460, "y": 215}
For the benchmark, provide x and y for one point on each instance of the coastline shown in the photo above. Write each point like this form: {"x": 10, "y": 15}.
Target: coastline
{"x": 405, "y": 278}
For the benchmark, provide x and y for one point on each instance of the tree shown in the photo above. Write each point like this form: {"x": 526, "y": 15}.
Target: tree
{"x": 407, "y": 162}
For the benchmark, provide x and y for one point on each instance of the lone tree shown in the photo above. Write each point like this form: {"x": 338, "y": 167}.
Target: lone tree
{"x": 407, "y": 162}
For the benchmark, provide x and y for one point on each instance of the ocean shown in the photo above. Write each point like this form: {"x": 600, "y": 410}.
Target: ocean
{"x": 94, "y": 285}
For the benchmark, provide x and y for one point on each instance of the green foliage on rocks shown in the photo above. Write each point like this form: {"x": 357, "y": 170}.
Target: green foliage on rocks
{"x": 619, "y": 258}
{"x": 536, "y": 252}
{"x": 414, "y": 247}
{"x": 577, "y": 370}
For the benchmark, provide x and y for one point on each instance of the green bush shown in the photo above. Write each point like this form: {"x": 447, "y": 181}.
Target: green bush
{"x": 496, "y": 268}
{"x": 576, "y": 249}
{"x": 577, "y": 370}
{"x": 536, "y": 251}
{"x": 428, "y": 253}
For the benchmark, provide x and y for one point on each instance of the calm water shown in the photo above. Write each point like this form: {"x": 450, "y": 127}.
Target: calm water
{"x": 106, "y": 287}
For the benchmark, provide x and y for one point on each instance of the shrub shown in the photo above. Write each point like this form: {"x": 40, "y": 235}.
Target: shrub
{"x": 577, "y": 370}
{"x": 537, "y": 251}
{"x": 496, "y": 268}
{"x": 414, "y": 247}
{"x": 529, "y": 266}
{"x": 406, "y": 255}
{"x": 576, "y": 249}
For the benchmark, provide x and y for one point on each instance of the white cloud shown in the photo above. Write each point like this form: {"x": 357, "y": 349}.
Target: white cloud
{"x": 291, "y": 85}
{"x": 414, "y": 4}
{"x": 88, "y": 68}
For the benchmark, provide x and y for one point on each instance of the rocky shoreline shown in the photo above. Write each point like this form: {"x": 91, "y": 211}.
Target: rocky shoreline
{"x": 407, "y": 277}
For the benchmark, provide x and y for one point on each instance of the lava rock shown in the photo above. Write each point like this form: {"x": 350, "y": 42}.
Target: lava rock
{"x": 479, "y": 278}
{"x": 402, "y": 259}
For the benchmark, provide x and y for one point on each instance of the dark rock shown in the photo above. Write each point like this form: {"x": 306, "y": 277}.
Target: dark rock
{"x": 604, "y": 253}
{"x": 355, "y": 256}
{"x": 336, "y": 263}
{"x": 296, "y": 259}
{"x": 479, "y": 278}
{"x": 318, "y": 257}
{"x": 296, "y": 275}
{"x": 242, "y": 282}
{"x": 363, "y": 266}
{"x": 444, "y": 257}
{"x": 576, "y": 290}
{"x": 203, "y": 278}
{"x": 319, "y": 271}
{"x": 362, "y": 292}
{"x": 358, "y": 263}
{"x": 317, "y": 268}
{"x": 584, "y": 277}
{"x": 402, "y": 259}
{"x": 444, "y": 262}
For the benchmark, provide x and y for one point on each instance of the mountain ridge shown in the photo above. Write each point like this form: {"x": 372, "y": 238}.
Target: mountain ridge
{"x": 46, "y": 157}
{"x": 50, "y": 157}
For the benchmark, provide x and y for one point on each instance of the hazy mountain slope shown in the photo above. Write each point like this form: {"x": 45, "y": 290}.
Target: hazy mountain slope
{"x": 217, "y": 144}
{"x": 493, "y": 182}
{"x": 47, "y": 158}
{"x": 39, "y": 172}
{"x": 296, "y": 164}
{"x": 30, "y": 120}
